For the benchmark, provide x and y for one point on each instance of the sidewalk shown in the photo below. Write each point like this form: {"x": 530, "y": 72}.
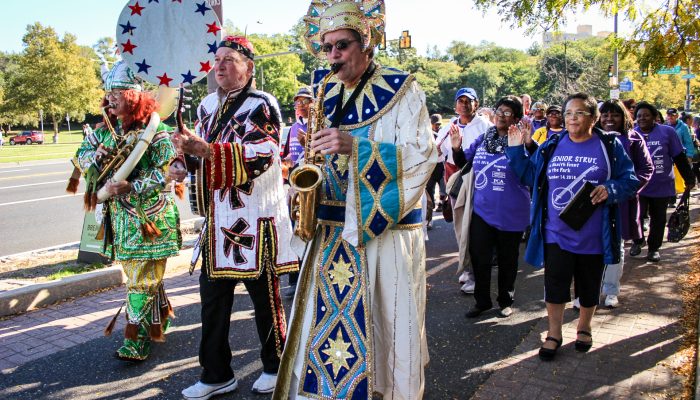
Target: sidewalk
{"x": 633, "y": 345}
{"x": 36, "y": 334}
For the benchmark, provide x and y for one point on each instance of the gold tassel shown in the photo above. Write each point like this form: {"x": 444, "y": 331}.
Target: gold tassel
{"x": 131, "y": 331}
{"x": 180, "y": 190}
{"x": 110, "y": 327}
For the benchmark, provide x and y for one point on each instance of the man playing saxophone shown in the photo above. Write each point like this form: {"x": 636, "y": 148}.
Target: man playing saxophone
{"x": 247, "y": 228}
{"x": 140, "y": 221}
{"x": 357, "y": 325}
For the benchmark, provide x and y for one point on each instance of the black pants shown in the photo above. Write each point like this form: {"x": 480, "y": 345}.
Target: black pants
{"x": 656, "y": 207}
{"x": 217, "y": 302}
{"x": 483, "y": 239}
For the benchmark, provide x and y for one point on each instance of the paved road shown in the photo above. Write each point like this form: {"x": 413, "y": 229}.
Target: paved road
{"x": 460, "y": 349}
{"x": 36, "y": 211}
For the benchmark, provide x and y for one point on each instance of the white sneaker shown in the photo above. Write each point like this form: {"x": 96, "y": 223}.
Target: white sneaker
{"x": 265, "y": 384}
{"x": 464, "y": 278}
{"x": 611, "y": 301}
{"x": 468, "y": 287}
{"x": 506, "y": 312}
{"x": 203, "y": 391}
{"x": 577, "y": 304}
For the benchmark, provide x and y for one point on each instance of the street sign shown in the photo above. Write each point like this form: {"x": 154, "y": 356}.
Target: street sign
{"x": 669, "y": 71}
{"x": 614, "y": 94}
{"x": 626, "y": 85}
{"x": 688, "y": 76}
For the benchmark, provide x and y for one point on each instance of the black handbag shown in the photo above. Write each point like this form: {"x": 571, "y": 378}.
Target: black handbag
{"x": 457, "y": 185}
{"x": 580, "y": 208}
{"x": 679, "y": 221}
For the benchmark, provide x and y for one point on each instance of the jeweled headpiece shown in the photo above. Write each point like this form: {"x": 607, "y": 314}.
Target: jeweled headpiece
{"x": 366, "y": 17}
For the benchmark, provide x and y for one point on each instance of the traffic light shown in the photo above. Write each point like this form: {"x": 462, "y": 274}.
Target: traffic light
{"x": 645, "y": 72}
{"x": 405, "y": 40}
{"x": 610, "y": 71}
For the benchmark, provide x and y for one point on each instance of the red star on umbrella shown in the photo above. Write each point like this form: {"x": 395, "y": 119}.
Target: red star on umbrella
{"x": 205, "y": 66}
{"x": 136, "y": 9}
{"x": 213, "y": 28}
{"x": 164, "y": 80}
{"x": 128, "y": 47}
{"x": 179, "y": 1}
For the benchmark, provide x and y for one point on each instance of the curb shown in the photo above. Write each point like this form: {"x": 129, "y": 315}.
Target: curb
{"x": 26, "y": 298}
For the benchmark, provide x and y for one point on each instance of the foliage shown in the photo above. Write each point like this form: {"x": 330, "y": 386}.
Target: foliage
{"x": 665, "y": 34}
{"x": 52, "y": 75}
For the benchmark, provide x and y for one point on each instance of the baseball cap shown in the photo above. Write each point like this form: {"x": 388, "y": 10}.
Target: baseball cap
{"x": 553, "y": 108}
{"x": 469, "y": 92}
{"x": 304, "y": 92}
{"x": 435, "y": 119}
{"x": 671, "y": 111}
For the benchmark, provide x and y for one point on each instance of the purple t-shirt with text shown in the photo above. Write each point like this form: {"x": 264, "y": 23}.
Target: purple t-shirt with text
{"x": 499, "y": 198}
{"x": 663, "y": 144}
{"x": 295, "y": 148}
{"x": 571, "y": 165}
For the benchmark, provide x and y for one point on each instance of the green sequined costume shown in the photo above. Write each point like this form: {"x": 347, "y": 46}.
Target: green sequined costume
{"x": 127, "y": 221}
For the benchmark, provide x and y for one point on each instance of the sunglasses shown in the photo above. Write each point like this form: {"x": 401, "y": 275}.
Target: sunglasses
{"x": 340, "y": 45}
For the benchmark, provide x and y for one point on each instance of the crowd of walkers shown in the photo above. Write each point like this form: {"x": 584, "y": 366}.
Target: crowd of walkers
{"x": 574, "y": 181}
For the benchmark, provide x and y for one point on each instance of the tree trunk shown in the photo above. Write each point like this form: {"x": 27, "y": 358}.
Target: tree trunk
{"x": 55, "y": 128}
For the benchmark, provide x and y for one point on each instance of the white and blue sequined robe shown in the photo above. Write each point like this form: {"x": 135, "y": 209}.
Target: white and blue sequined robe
{"x": 358, "y": 321}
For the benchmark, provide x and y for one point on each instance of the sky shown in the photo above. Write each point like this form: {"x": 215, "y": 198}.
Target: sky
{"x": 430, "y": 23}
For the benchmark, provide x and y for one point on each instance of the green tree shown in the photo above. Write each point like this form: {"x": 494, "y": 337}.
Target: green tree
{"x": 54, "y": 76}
{"x": 667, "y": 33}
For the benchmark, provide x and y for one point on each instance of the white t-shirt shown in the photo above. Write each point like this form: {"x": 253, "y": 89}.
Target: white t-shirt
{"x": 470, "y": 132}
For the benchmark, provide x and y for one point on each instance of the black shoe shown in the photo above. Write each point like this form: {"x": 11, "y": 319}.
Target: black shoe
{"x": 636, "y": 249}
{"x": 582, "y": 346}
{"x": 548, "y": 354}
{"x": 474, "y": 312}
{"x": 654, "y": 256}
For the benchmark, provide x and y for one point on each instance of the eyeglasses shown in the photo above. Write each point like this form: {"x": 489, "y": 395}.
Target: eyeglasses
{"x": 340, "y": 45}
{"x": 554, "y": 114}
{"x": 578, "y": 114}
{"x": 500, "y": 113}
{"x": 302, "y": 101}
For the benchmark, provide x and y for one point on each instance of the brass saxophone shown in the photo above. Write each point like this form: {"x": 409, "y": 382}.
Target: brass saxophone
{"x": 306, "y": 179}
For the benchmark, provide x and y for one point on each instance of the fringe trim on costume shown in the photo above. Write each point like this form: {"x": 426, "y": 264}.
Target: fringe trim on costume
{"x": 156, "y": 333}
{"x": 180, "y": 190}
{"x": 110, "y": 327}
{"x": 131, "y": 331}
{"x": 72, "y": 185}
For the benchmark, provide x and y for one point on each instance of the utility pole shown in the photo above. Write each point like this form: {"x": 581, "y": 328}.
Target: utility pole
{"x": 687, "y": 90}
{"x": 616, "y": 69}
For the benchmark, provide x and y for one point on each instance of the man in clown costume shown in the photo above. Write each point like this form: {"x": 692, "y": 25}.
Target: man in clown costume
{"x": 140, "y": 221}
{"x": 358, "y": 321}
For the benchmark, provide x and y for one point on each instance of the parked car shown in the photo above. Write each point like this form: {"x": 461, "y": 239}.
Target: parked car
{"x": 28, "y": 137}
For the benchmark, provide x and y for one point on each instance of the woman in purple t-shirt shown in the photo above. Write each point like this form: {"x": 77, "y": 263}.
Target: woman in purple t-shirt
{"x": 500, "y": 208}
{"x": 557, "y": 171}
{"x": 615, "y": 118}
{"x": 666, "y": 150}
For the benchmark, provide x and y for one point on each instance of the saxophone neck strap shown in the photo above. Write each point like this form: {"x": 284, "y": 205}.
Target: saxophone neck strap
{"x": 340, "y": 114}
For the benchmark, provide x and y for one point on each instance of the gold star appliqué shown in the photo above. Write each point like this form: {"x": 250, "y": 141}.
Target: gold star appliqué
{"x": 341, "y": 274}
{"x": 338, "y": 354}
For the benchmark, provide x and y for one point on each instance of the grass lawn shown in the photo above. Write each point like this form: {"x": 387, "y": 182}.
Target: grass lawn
{"x": 68, "y": 143}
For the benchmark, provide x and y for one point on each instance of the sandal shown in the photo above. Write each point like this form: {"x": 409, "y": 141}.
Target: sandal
{"x": 548, "y": 354}
{"x": 582, "y": 346}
